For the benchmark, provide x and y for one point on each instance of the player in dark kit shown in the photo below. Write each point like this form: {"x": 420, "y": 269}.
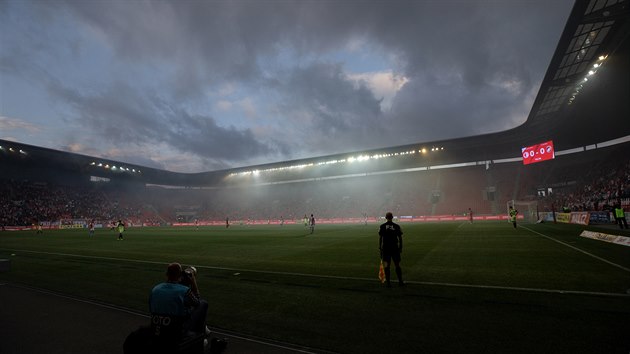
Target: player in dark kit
{"x": 390, "y": 244}
{"x": 312, "y": 223}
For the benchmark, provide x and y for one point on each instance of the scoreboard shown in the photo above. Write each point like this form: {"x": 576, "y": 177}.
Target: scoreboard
{"x": 537, "y": 153}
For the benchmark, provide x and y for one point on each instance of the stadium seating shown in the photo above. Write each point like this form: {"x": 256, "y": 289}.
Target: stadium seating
{"x": 590, "y": 181}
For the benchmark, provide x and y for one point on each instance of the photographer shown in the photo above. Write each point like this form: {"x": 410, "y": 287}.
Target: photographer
{"x": 179, "y": 297}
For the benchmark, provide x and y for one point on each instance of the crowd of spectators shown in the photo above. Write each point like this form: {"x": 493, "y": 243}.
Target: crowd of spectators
{"x": 597, "y": 189}
{"x": 420, "y": 193}
{"x": 26, "y": 203}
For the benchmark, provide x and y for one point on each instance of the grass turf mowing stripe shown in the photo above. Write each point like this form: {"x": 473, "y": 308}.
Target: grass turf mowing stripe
{"x": 579, "y": 250}
{"x": 241, "y": 271}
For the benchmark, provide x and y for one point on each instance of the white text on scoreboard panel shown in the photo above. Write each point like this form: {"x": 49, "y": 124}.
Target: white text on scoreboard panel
{"x": 537, "y": 153}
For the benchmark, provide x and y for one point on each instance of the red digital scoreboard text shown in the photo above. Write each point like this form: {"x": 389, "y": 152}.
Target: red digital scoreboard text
{"x": 537, "y": 153}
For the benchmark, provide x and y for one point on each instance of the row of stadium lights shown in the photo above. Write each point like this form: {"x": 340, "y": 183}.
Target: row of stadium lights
{"x": 10, "y": 149}
{"x": 107, "y": 166}
{"x": 351, "y": 159}
{"x": 114, "y": 168}
{"x": 590, "y": 73}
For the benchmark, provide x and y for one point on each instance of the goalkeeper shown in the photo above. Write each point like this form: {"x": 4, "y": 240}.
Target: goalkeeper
{"x": 390, "y": 244}
{"x": 121, "y": 229}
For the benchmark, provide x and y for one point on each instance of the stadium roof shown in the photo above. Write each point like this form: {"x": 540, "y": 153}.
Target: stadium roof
{"x": 588, "y": 73}
{"x": 583, "y": 101}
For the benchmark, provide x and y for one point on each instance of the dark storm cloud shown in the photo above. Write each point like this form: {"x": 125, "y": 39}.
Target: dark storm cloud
{"x": 205, "y": 41}
{"x": 201, "y": 135}
{"x": 458, "y": 112}
{"x": 336, "y": 114}
{"x": 225, "y": 40}
{"x": 126, "y": 116}
{"x": 471, "y": 68}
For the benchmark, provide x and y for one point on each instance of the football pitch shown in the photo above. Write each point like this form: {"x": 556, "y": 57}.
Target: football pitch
{"x": 482, "y": 287}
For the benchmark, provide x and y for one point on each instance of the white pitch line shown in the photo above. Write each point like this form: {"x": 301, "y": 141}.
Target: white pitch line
{"x": 579, "y": 250}
{"x": 85, "y": 301}
{"x": 474, "y": 286}
{"x": 261, "y": 342}
{"x": 537, "y": 290}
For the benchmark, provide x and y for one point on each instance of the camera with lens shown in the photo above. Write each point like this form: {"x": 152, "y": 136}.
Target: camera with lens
{"x": 187, "y": 276}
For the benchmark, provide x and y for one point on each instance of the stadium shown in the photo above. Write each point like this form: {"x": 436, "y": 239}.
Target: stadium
{"x": 559, "y": 282}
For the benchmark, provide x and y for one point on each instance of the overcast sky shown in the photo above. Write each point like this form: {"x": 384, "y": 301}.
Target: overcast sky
{"x": 194, "y": 86}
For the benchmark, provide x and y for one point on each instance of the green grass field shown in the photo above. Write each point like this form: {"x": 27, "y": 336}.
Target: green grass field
{"x": 483, "y": 287}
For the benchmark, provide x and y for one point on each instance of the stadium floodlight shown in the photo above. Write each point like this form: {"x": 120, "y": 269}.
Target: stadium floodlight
{"x": 11, "y": 149}
{"x": 350, "y": 159}
{"x": 106, "y": 166}
{"x": 596, "y": 65}
{"x": 100, "y": 164}
{"x": 92, "y": 163}
{"x": 602, "y": 57}
{"x": 22, "y": 152}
